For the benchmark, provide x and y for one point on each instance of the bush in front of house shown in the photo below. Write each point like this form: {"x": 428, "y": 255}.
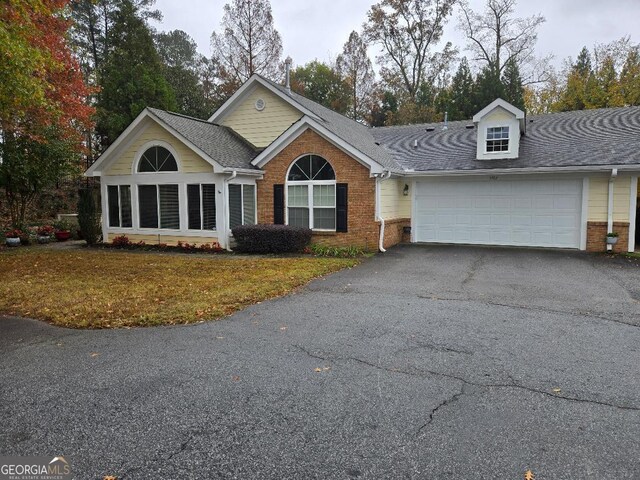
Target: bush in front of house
{"x": 271, "y": 238}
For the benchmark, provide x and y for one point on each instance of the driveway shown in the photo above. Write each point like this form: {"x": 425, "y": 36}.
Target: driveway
{"x": 425, "y": 362}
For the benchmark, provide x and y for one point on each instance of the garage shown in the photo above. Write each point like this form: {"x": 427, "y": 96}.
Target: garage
{"x": 499, "y": 210}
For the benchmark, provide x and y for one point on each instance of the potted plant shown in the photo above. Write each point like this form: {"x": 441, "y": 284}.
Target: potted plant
{"x": 612, "y": 238}
{"x": 13, "y": 237}
{"x": 62, "y": 230}
{"x": 44, "y": 233}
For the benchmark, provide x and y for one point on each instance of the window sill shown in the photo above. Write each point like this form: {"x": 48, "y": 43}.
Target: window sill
{"x": 324, "y": 233}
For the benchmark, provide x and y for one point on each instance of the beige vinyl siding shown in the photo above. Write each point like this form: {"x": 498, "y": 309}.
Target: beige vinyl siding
{"x": 262, "y": 127}
{"x": 393, "y": 204}
{"x": 188, "y": 160}
{"x": 170, "y": 240}
{"x": 599, "y": 199}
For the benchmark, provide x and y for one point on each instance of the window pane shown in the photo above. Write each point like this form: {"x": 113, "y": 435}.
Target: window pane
{"x": 321, "y": 169}
{"x": 324, "y": 195}
{"x": 114, "y": 206}
{"x": 299, "y": 217}
{"x": 209, "y": 206}
{"x": 148, "y": 203}
{"x": 249, "y": 204}
{"x": 298, "y": 196}
{"x": 125, "y": 205}
{"x": 235, "y": 205}
{"x": 169, "y": 207}
{"x": 157, "y": 159}
{"x": 193, "y": 207}
{"x": 324, "y": 218}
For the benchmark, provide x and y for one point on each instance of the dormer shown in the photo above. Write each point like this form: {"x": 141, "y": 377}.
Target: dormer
{"x": 499, "y": 126}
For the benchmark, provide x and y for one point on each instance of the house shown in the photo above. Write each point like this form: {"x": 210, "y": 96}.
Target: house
{"x": 269, "y": 155}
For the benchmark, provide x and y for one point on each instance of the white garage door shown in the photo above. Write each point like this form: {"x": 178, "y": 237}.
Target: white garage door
{"x": 499, "y": 211}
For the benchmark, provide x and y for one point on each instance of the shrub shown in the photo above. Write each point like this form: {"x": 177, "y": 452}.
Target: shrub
{"x": 45, "y": 231}
{"x": 88, "y": 216}
{"x": 62, "y": 226}
{"x": 121, "y": 241}
{"x": 271, "y": 238}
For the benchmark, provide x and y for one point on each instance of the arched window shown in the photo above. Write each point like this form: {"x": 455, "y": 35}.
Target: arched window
{"x": 311, "y": 193}
{"x": 157, "y": 159}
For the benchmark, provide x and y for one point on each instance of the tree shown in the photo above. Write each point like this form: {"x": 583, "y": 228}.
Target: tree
{"x": 42, "y": 109}
{"x": 496, "y": 38}
{"x": 458, "y": 99}
{"x": 248, "y": 43}
{"x": 354, "y": 65}
{"x": 512, "y": 85}
{"x": 182, "y": 69}
{"x": 323, "y": 84}
{"x": 407, "y": 31}
{"x": 132, "y": 77}
{"x": 384, "y": 105}
{"x": 578, "y": 81}
{"x": 630, "y": 78}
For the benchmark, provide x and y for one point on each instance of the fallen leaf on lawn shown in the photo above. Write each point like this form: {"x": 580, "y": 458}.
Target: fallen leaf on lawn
{"x": 109, "y": 477}
{"x": 283, "y": 328}
{"x": 219, "y": 338}
{"x": 94, "y": 354}
{"x": 528, "y": 475}
{"x": 556, "y": 390}
{"x": 235, "y": 378}
{"x": 317, "y": 369}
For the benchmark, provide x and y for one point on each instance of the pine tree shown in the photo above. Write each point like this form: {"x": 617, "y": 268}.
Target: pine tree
{"x": 488, "y": 87}
{"x": 132, "y": 78}
{"x": 630, "y": 78}
{"x": 512, "y": 84}
{"x": 458, "y": 100}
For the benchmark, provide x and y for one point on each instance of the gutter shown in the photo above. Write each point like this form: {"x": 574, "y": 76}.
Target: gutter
{"x": 225, "y": 192}
{"x": 379, "y": 179}
{"x": 612, "y": 179}
{"x": 520, "y": 171}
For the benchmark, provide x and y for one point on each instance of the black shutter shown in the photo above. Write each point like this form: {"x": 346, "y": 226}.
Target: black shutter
{"x": 341, "y": 207}
{"x": 278, "y": 204}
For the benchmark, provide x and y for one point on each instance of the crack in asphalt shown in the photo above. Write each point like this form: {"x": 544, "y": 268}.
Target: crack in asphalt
{"x": 475, "y": 266}
{"x": 599, "y": 316}
{"x": 442, "y": 404}
{"x": 419, "y": 372}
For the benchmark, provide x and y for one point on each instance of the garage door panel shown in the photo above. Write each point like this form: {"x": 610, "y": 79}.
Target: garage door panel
{"x": 503, "y": 212}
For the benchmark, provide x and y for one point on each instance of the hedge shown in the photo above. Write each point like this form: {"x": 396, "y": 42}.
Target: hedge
{"x": 271, "y": 238}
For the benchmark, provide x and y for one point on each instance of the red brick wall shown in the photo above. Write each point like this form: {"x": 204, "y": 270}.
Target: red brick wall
{"x": 597, "y": 232}
{"x": 394, "y": 231}
{"x": 363, "y": 230}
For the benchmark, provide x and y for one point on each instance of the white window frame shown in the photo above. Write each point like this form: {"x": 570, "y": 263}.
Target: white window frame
{"x": 159, "y": 228}
{"x": 310, "y": 184}
{"x": 255, "y": 204}
{"x": 487, "y": 140}
{"x": 201, "y": 229}
{"x": 120, "y": 206}
{"x": 142, "y": 150}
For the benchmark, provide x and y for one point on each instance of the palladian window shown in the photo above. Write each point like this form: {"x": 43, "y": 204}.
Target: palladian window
{"x": 311, "y": 194}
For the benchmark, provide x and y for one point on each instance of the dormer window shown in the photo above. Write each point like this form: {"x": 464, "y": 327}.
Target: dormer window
{"x": 497, "y": 139}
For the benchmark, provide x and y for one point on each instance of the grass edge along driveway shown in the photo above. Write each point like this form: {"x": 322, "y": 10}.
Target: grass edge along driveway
{"x": 107, "y": 289}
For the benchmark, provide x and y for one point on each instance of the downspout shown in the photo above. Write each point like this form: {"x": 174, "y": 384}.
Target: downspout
{"x": 379, "y": 179}
{"x": 612, "y": 178}
{"x": 225, "y": 191}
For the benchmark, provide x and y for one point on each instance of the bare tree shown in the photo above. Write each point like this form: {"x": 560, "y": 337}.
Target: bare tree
{"x": 496, "y": 38}
{"x": 354, "y": 65}
{"x": 248, "y": 43}
{"x": 407, "y": 31}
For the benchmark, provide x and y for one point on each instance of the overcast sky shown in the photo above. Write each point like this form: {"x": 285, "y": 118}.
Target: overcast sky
{"x": 313, "y": 29}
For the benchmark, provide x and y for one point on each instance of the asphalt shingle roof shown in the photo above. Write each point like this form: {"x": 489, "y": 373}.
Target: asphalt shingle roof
{"x": 570, "y": 139}
{"x": 354, "y": 133}
{"x": 220, "y": 143}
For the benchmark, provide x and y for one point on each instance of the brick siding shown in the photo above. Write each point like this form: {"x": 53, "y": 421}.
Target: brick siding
{"x": 597, "y": 232}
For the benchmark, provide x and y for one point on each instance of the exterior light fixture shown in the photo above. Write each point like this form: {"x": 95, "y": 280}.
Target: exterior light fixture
{"x": 405, "y": 190}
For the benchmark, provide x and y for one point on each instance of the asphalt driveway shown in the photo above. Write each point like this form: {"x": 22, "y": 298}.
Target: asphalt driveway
{"x": 425, "y": 362}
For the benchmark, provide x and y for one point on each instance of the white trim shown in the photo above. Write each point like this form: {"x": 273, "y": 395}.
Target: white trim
{"x": 584, "y": 219}
{"x": 522, "y": 171}
{"x": 246, "y": 89}
{"x": 298, "y": 129}
{"x": 143, "y": 149}
{"x": 633, "y": 204}
{"x": 413, "y": 210}
{"x": 498, "y": 102}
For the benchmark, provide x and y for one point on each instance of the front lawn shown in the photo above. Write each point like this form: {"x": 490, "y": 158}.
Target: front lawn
{"x": 106, "y": 289}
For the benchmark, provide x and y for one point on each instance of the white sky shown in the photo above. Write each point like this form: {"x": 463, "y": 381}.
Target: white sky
{"x": 317, "y": 29}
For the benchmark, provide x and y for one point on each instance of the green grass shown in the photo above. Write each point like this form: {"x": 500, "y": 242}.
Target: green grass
{"x": 106, "y": 289}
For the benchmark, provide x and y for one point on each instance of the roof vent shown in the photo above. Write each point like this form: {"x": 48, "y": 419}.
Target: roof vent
{"x": 446, "y": 121}
{"x": 287, "y": 79}
{"x": 469, "y": 127}
{"x": 415, "y": 143}
{"x": 430, "y": 129}
{"x": 377, "y": 143}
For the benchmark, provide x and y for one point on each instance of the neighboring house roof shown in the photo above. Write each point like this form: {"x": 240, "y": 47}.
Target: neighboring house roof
{"x": 355, "y": 134}
{"x": 602, "y": 137}
{"x": 221, "y": 144}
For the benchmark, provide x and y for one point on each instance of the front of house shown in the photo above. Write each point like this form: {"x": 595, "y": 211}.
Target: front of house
{"x": 269, "y": 155}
